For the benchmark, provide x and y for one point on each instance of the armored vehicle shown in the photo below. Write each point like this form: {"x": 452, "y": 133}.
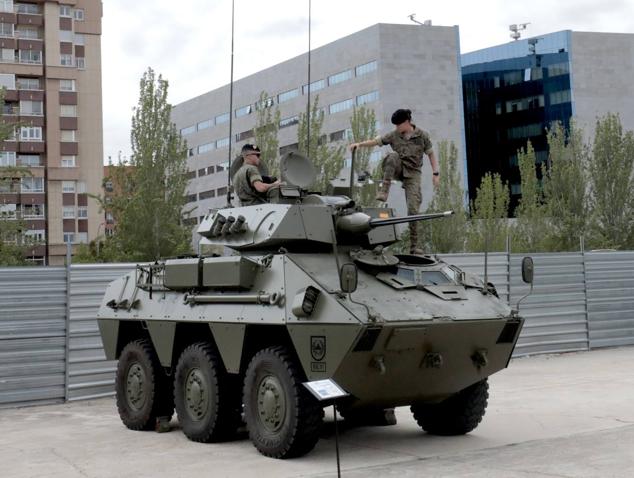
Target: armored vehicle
{"x": 309, "y": 291}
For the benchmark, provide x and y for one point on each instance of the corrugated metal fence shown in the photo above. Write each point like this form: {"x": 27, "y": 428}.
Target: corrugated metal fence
{"x": 580, "y": 301}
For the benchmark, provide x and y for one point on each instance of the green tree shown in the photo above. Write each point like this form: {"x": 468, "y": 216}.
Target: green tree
{"x": 327, "y": 159}
{"x": 363, "y": 126}
{"x": 488, "y": 228}
{"x": 266, "y": 130}
{"x": 148, "y": 206}
{"x": 531, "y": 228}
{"x": 447, "y": 234}
{"x": 565, "y": 187}
{"x": 612, "y": 184}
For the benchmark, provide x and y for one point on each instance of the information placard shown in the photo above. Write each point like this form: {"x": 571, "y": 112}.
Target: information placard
{"x": 325, "y": 389}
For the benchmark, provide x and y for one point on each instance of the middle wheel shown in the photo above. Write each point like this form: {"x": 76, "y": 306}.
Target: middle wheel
{"x": 207, "y": 403}
{"x": 283, "y": 418}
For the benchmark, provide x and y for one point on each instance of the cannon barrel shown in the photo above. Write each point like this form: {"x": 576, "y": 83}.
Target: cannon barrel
{"x": 360, "y": 223}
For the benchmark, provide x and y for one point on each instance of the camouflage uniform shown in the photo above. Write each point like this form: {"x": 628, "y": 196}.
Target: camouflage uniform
{"x": 405, "y": 164}
{"x": 243, "y": 185}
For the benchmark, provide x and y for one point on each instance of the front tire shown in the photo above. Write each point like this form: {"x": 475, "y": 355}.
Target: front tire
{"x": 142, "y": 389}
{"x": 207, "y": 404}
{"x": 283, "y": 418}
{"x": 457, "y": 415}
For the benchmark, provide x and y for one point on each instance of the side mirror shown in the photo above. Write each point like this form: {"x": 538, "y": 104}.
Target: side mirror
{"x": 527, "y": 270}
{"x": 348, "y": 277}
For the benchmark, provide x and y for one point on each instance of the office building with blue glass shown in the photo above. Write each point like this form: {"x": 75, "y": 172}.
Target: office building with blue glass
{"x": 514, "y": 92}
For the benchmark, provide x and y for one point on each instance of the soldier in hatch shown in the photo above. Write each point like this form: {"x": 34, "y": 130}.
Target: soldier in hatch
{"x": 409, "y": 144}
{"x": 249, "y": 185}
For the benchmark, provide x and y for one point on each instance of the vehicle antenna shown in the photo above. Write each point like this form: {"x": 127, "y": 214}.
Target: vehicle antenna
{"x": 308, "y": 118}
{"x": 230, "y": 108}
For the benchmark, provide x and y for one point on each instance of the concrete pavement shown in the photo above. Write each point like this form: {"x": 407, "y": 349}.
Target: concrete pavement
{"x": 569, "y": 415}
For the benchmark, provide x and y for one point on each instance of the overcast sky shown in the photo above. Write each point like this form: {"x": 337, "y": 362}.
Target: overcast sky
{"x": 189, "y": 42}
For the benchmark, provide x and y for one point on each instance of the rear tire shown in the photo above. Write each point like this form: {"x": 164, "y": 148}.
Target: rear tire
{"x": 457, "y": 415}
{"x": 207, "y": 403}
{"x": 143, "y": 390}
{"x": 283, "y": 418}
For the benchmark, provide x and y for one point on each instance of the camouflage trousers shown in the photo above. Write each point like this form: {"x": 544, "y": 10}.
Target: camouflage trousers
{"x": 411, "y": 181}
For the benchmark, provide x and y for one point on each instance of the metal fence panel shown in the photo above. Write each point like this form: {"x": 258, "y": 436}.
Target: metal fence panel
{"x": 90, "y": 375}
{"x": 555, "y": 313}
{"x": 610, "y": 292}
{"x": 32, "y": 335}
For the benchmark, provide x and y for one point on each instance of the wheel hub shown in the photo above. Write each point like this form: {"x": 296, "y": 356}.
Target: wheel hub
{"x": 135, "y": 391}
{"x": 196, "y": 394}
{"x": 271, "y": 403}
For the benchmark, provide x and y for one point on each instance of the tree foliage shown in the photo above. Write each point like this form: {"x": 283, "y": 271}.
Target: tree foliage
{"x": 447, "y": 234}
{"x": 565, "y": 186}
{"x": 363, "y": 126}
{"x": 612, "y": 184}
{"x": 265, "y": 132}
{"x": 327, "y": 159}
{"x": 148, "y": 206}
{"x": 488, "y": 229}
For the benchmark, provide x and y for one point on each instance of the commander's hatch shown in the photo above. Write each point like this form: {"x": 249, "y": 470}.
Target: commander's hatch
{"x": 433, "y": 281}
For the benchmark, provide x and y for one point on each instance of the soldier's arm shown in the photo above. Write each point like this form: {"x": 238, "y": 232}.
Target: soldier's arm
{"x": 370, "y": 143}
{"x": 263, "y": 187}
{"x": 433, "y": 161}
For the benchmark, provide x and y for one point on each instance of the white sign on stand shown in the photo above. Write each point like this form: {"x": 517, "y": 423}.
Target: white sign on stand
{"x": 325, "y": 389}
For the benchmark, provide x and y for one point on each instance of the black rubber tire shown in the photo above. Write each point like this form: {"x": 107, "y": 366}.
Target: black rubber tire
{"x": 215, "y": 415}
{"x": 300, "y": 424}
{"x": 143, "y": 390}
{"x": 457, "y": 415}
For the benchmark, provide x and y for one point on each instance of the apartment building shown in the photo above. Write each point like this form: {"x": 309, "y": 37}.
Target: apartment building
{"x": 50, "y": 68}
{"x": 383, "y": 67}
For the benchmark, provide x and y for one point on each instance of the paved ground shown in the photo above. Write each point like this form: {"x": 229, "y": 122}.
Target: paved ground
{"x": 568, "y": 415}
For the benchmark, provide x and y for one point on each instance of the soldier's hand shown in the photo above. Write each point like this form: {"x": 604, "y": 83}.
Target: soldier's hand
{"x": 353, "y": 146}
{"x": 436, "y": 181}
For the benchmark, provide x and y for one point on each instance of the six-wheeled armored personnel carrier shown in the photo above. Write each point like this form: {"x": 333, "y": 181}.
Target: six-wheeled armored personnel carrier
{"x": 308, "y": 291}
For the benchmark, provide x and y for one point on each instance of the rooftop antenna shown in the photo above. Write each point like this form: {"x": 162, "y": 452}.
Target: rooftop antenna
{"x": 516, "y": 30}
{"x": 308, "y": 118}
{"x": 230, "y": 108}
{"x": 411, "y": 17}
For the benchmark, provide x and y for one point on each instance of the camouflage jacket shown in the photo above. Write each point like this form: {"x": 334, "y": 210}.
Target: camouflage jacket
{"x": 243, "y": 185}
{"x": 410, "y": 150}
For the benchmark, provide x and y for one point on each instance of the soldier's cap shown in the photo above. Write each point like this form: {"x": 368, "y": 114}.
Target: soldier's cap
{"x": 401, "y": 116}
{"x": 250, "y": 148}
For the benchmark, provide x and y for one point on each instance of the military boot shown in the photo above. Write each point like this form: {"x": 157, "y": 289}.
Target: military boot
{"x": 384, "y": 191}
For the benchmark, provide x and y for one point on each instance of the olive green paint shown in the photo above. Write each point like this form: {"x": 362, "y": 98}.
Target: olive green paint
{"x": 162, "y": 335}
{"x": 109, "y": 330}
{"x": 229, "y": 339}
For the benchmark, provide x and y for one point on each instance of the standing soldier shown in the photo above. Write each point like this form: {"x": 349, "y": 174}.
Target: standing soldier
{"x": 409, "y": 144}
{"x": 250, "y": 186}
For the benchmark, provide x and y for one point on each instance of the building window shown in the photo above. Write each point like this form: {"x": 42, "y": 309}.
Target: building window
{"x": 210, "y": 170}
{"x": 207, "y": 194}
{"x": 341, "y": 106}
{"x": 222, "y": 143}
{"x": 79, "y": 39}
{"x": 108, "y": 186}
{"x": 78, "y": 13}
{"x": 526, "y": 131}
{"x": 190, "y": 152}
{"x": 223, "y": 118}
{"x": 32, "y": 185}
{"x": 339, "y": 77}
{"x": 189, "y": 130}
{"x": 69, "y": 161}
{"x": 288, "y": 148}
{"x": 243, "y": 111}
{"x": 6, "y": 6}
{"x": 202, "y": 172}
{"x": 6, "y": 30}
{"x": 31, "y": 108}
{"x": 338, "y": 135}
{"x": 8, "y": 55}
{"x": 221, "y": 191}
{"x": 191, "y": 198}
{"x": 7, "y": 81}
{"x": 286, "y": 122}
{"x": 68, "y": 186}
{"x": 29, "y": 160}
{"x": 80, "y": 62}
{"x": 314, "y": 86}
{"x": 66, "y": 36}
{"x": 204, "y": 148}
{"x": 32, "y": 211}
{"x": 204, "y": 125}
{"x": 516, "y": 188}
{"x": 557, "y": 69}
{"x": 69, "y": 237}
{"x": 82, "y": 212}
{"x": 244, "y": 135}
{"x": 265, "y": 103}
{"x": 82, "y": 237}
{"x": 66, "y": 59}
{"x": 7, "y": 158}
{"x": 36, "y": 235}
{"x": 81, "y": 187}
{"x": 8, "y": 211}
{"x": 367, "y": 98}
{"x": 32, "y": 33}
{"x": 365, "y": 68}
{"x": 66, "y": 85}
{"x": 68, "y": 212}
{"x": 287, "y": 95}
{"x": 31, "y": 133}
{"x": 28, "y": 84}
{"x": 68, "y": 111}
{"x": 30, "y": 56}
{"x": 559, "y": 97}
{"x": 65, "y": 11}
{"x": 68, "y": 135}
{"x": 29, "y": 8}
